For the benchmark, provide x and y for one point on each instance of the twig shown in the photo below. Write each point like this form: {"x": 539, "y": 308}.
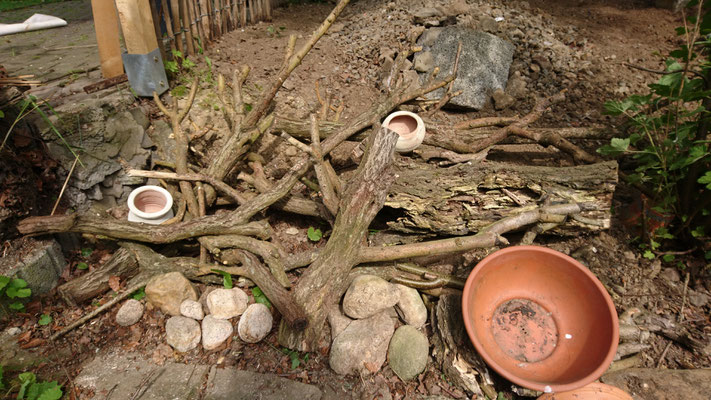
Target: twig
{"x": 553, "y": 139}
{"x": 449, "y": 94}
{"x": 448, "y": 280}
{"x": 680, "y": 317}
{"x": 664, "y": 354}
{"x": 201, "y": 208}
{"x": 293, "y": 141}
{"x": 485, "y": 122}
{"x": 330, "y": 200}
{"x": 99, "y": 310}
{"x": 66, "y": 181}
{"x": 217, "y": 184}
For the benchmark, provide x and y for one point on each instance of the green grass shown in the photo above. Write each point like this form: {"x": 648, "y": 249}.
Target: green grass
{"x": 7, "y": 5}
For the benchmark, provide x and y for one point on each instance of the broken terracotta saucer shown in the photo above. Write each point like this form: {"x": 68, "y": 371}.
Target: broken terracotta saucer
{"x": 593, "y": 391}
{"x": 540, "y": 318}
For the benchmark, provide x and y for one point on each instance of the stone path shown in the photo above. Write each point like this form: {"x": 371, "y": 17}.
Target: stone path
{"x": 122, "y": 376}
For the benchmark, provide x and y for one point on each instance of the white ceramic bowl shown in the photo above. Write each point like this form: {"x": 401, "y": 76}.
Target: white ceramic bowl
{"x": 409, "y": 126}
{"x": 150, "y": 204}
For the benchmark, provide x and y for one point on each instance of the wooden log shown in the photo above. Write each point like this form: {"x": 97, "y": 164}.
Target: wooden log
{"x": 136, "y": 18}
{"x": 106, "y": 25}
{"x": 178, "y": 33}
{"x": 195, "y": 21}
{"x": 119, "y": 229}
{"x": 204, "y": 18}
{"x": 187, "y": 26}
{"x": 168, "y": 24}
{"x": 122, "y": 264}
{"x": 326, "y": 279}
{"x": 465, "y": 198}
{"x": 156, "y": 28}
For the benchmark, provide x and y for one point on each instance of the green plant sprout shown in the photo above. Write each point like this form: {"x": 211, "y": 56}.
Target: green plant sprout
{"x": 14, "y": 288}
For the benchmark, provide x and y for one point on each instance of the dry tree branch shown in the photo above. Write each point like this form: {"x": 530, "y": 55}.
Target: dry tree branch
{"x": 330, "y": 200}
{"x": 485, "y": 122}
{"x": 193, "y": 177}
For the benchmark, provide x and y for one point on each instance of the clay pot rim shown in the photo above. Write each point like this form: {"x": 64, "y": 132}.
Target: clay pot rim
{"x": 417, "y": 136}
{"x": 552, "y": 387}
{"x": 142, "y": 214}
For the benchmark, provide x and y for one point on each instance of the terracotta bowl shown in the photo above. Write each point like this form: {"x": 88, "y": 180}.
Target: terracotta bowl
{"x": 540, "y": 319}
{"x": 593, "y": 391}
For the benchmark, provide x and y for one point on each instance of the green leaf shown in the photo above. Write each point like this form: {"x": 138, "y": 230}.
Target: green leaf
{"x": 171, "y": 66}
{"x": 44, "y": 391}
{"x": 247, "y": 107}
{"x": 82, "y": 265}
{"x": 260, "y": 297}
{"x": 45, "y": 319}
{"x": 187, "y": 63}
{"x": 26, "y": 379}
{"x": 2, "y": 114}
{"x": 706, "y": 180}
{"x": 177, "y": 54}
{"x": 18, "y": 293}
{"x": 4, "y": 280}
{"x": 648, "y": 255}
{"x": 17, "y": 306}
{"x": 314, "y": 235}
{"x": 708, "y": 255}
{"x": 51, "y": 393}
{"x": 620, "y": 144}
{"x": 139, "y": 294}
{"x": 86, "y": 252}
{"x": 226, "y": 278}
{"x": 668, "y": 257}
{"x": 208, "y": 61}
{"x": 2, "y": 385}
{"x": 698, "y": 232}
{"x": 18, "y": 283}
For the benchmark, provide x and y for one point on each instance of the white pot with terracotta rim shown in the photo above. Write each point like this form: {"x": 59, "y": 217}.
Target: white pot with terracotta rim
{"x": 150, "y": 204}
{"x": 409, "y": 126}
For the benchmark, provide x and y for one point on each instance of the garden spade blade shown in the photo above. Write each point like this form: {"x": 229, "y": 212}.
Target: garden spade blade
{"x": 146, "y": 73}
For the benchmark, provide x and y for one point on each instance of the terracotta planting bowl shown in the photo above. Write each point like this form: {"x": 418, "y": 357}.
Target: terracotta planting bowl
{"x": 593, "y": 391}
{"x": 540, "y": 319}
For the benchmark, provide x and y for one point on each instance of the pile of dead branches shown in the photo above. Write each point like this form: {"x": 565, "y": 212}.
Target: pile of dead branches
{"x": 239, "y": 241}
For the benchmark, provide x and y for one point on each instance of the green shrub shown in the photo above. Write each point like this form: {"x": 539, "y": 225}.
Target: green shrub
{"x": 668, "y": 134}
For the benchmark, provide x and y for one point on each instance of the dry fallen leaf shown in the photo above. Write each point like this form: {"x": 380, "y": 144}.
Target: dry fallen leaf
{"x": 33, "y": 343}
{"x": 24, "y": 337}
{"x": 115, "y": 283}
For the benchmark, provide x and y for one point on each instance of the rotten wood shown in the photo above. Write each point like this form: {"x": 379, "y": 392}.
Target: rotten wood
{"x": 122, "y": 264}
{"x": 465, "y": 198}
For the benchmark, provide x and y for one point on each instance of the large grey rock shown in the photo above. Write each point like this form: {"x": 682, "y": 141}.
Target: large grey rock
{"x": 483, "y": 64}
{"x": 227, "y": 303}
{"x": 410, "y": 307}
{"x": 362, "y": 347}
{"x": 40, "y": 265}
{"x": 662, "y": 384}
{"x": 167, "y": 292}
{"x": 408, "y": 352}
{"x": 368, "y": 295}
{"x": 229, "y": 384}
{"x": 192, "y": 309}
{"x": 215, "y": 331}
{"x": 123, "y": 375}
{"x": 130, "y": 312}
{"x": 255, "y": 324}
{"x": 182, "y": 333}
{"x": 337, "y": 321}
